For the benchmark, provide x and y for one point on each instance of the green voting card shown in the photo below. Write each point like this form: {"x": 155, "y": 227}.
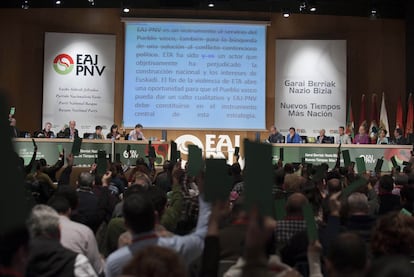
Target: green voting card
{"x": 347, "y": 158}
{"x": 101, "y": 164}
{"x": 280, "y": 208}
{"x": 173, "y": 152}
{"x": 311, "y": 227}
{"x": 406, "y": 212}
{"x": 76, "y": 146}
{"x": 378, "y": 165}
{"x": 354, "y": 186}
{"x": 218, "y": 183}
{"x": 394, "y": 162}
{"x": 258, "y": 173}
{"x": 360, "y": 163}
{"x": 195, "y": 160}
{"x": 60, "y": 149}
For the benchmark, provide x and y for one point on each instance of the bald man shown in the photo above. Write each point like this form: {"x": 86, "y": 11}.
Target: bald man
{"x": 71, "y": 131}
{"x": 293, "y": 223}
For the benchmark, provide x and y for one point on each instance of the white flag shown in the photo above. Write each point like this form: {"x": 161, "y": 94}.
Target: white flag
{"x": 384, "y": 117}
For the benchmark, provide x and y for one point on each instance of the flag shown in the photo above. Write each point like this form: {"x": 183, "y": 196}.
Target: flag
{"x": 410, "y": 116}
{"x": 399, "y": 116}
{"x": 373, "y": 128}
{"x": 363, "y": 115}
{"x": 350, "y": 121}
{"x": 384, "y": 117}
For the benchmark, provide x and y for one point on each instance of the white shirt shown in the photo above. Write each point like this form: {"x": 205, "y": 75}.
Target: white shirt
{"x": 134, "y": 135}
{"x": 189, "y": 247}
{"x": 80, "y": 239}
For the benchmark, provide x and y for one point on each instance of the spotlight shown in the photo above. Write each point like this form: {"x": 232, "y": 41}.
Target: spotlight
{"x": 126, "y": 10}
{"x": 211, "y": 4}
{"x": 58, "y": 2}
{"x": 286, "y": 14}
{"x": 373, "y": 14}
{"x": 312, "y": 9}
{"x": 302, "y": 6}
{"x": 25, "y": 4}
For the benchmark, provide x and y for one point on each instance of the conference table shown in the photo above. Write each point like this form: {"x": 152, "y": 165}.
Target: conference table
{"x": 292, "y": 153}
{"x": 115, "y": 150}
{"x": 327, "y": 153}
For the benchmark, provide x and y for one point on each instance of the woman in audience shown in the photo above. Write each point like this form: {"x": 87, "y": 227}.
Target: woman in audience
{"x": 393, "y": 235}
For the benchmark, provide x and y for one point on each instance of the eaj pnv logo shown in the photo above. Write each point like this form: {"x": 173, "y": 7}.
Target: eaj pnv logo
{"x": 63, "y": 64}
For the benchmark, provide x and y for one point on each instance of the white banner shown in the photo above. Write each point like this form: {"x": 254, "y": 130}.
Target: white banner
{"x": 310, "y": 86}
{"x": 79, "y": 72}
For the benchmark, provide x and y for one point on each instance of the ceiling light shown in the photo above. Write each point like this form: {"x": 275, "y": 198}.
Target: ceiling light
{"x": 58, "y": 2}
{"x": 126, "y": 10}
{"x": 25, "y": 4}
{"x": 302, "y": 6}
{"x": 286, "y": 14}
{"x": 374, "y": 13}
{"x": 312, "y": 9}
{"x": 210, "y": 4}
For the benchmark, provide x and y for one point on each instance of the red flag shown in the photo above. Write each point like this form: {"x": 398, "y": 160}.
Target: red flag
{"x": 410, "y": 116}
{"x": 399, "y": 117}
{"x": 350, "y": 121}
{"x": 363, "y": 115}
{"x": 373, "y": 128}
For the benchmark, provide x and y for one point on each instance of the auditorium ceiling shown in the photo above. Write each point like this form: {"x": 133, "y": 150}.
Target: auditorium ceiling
{"x": 364, "y": 8}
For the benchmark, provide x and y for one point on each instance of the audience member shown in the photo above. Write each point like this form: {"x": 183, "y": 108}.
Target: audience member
{"x": 391, "y": 266}
{"x": 155, "y": 261}
{"x": 393, "y": 234}
{"x": 140, "y": 219}
{"x": 14, "y": 132}
{"x": 89, "y": 211}
{"x": 293, "y": 222}
{"x": 47, "y": 255}
{"x": 14, "y": 251}
{"x": 75, "y": 236}
{"x": 387, "y": 201}
{"x": 347, "y": 256}
{"x": 163, "y": 179}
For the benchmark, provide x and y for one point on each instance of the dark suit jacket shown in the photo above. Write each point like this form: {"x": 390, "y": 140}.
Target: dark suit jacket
{"x": 325, "y": 139}
{"x": 67, "y": 132}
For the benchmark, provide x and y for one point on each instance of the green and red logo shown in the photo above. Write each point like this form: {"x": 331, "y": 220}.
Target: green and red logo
{"x": 63, "y": 64}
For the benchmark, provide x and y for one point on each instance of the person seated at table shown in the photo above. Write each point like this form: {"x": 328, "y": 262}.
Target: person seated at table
{"x": 98, "y": 133}
{"x": 362, "y": 136}
{"x": 114, "y": 134}
{"x": 322, "y": 138}
{"x": 382, "y": 139}
{"x": 398, "y": 137}
{"x": 46, "y": 132}
{"x": 293, "y": 137}
{"x": 71, "y": 131}
{"x": 137, "y": 133}
{"x": 275, "y": 136}
{"x": 343, "y": 138}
